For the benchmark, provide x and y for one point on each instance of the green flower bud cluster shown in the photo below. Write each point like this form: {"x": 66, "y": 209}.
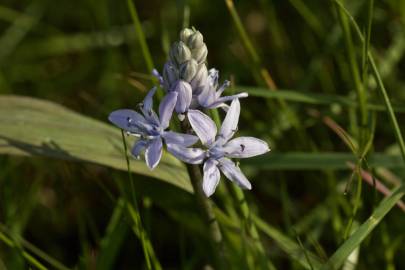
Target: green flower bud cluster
{"x": 187, "y": 62}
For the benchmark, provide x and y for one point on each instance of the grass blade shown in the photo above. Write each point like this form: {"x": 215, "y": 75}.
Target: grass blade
{"x": 116, "y": 231}
{"x": 306, "y": 259}
{"x": 311, "y": 98}
{"x": 318, "y": 161}
{"x": 380, "y": 83}
{"x": 339, "y": 257}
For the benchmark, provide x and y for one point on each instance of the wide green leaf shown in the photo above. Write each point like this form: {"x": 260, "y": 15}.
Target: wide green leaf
{"x": 32, "y": 127}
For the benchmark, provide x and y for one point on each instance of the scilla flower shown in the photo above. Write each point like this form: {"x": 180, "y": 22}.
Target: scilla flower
{"x": 150, "y": 128}
{"x": 186, "y": 73}
{"x": 210, "y": 97}
{"x": 219, "y": 148}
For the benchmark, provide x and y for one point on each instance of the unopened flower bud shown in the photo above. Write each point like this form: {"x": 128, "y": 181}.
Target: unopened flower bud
{"x": 184, "y": 96}
{"x": 188, "y": 70}
{"x": 180, "y": 53}
{"x": 195, "y": 40}
{"x": 185, "y": 34}
{"x": 200, "y": 79}
{"x": 200, "y": 54}
{"x": 170, "y": 75}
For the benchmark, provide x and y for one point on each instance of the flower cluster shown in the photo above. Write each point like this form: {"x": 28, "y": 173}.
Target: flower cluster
{"x": 191, "y": 88}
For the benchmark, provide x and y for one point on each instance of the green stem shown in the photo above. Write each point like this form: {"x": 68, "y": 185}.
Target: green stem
{"x": 134, "y": 213}
{"x": 206, "y": 207}
{"x": 251, "y": 227}
{"x": 244, "y": 209}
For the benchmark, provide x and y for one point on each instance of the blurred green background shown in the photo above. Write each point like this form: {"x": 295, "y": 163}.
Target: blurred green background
{"x": 86, "y": 55}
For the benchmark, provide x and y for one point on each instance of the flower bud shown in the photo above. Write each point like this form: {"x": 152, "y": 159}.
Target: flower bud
{"x": 200, "y": 79}
{"x": 188, "y": 70}
{"x": 180, "y": 53}
{"x": 170, "y": 75}
{"x": 195, "y": 40}
{"x": 200, "y": 54}
{"x": 185, "y": 34}
{"x": 184, "y": 96}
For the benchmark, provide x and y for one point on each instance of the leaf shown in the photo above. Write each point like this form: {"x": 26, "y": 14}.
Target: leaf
{"x": 318, "y": 161}
{"x": 34, "y": 127}
{"x": 310, "y": 98}
{"x": 339, "y": 257}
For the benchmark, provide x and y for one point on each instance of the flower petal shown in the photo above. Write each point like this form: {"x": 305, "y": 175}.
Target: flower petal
{"x": 203, "y": 126}
{"x": 245, "y": 147}
{"x": 233, "y": 173}
{"x": 166, "y": 109}
{"x": 184, "y": 96}
{"x": 222, "y": 100}
{"x": 211, "y": 177}
{"x": 139, "y": 146}
{"x": 179, "y": 138}
{"x": 148, "y": 100}
{"x": 207, "y": 95}
{"x": 230, "y": 124}
{"x": 188, "y": 155}
{"x": 127, "y": 119}
{"x": 153, "y": 153}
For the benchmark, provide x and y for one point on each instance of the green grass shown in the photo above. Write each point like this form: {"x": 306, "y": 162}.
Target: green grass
{"x": 326, "y": 91}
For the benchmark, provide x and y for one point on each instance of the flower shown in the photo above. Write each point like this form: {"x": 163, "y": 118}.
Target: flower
{"x": 210, "y": 97}
{"x": 150, "y": 128}
{"x": 219, "y": 148}
{"x": 186, "y": 73}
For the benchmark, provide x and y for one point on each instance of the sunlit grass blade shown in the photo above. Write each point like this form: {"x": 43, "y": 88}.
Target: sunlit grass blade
{"x": 33, "y": 127}
{"x": 318, "y": 161}
{"x": 141, "y": 36}
{"x": 142, "y": 42}
{"x": 311, "y": 98}
{"x": 339, "y": 257}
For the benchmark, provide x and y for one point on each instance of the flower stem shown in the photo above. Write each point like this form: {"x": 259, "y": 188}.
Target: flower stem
{"x": 206, "y": 208}
{"x": 245, "y": 211}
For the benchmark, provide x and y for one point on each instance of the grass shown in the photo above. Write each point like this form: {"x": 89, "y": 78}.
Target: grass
{"x": 325, "y": 91}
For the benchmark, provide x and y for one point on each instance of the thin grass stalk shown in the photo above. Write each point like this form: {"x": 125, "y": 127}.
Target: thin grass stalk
{"x": 36, "y": 251}
{"x": 380, "y": 83}
{"x": 134, "y": 213}
{"x": 142, "y": 42}
{"x": 362, "y": 101}
{"x": 251, "y": 227}
{"x": 262, "y": 74}
{"x": 354, "y": 71}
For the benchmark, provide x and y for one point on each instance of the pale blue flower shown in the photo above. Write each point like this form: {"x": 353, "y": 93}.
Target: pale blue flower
{"x": 219, "y": 148}
{"x": 150, "y": 128}
{"x": 203, "y": 92}
{"x": 210, "y": 97}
